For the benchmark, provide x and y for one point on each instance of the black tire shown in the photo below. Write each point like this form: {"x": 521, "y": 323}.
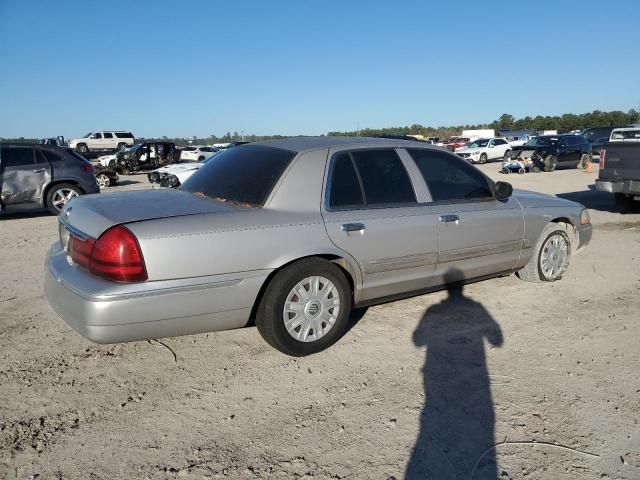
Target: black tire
{"x": 270, "y": 312}
{"x": 506, "y": 155}
{"x": 52, "y": 196}
{"x": 532, "y": 271}
{"x": 584, "y": 161}
{"x": 483, "y": 158}
{"x": 550, "y": 163}
{"x": 506, "y": 171}
{"x": 200, "y": 158}
{"x": 82, "y": 148}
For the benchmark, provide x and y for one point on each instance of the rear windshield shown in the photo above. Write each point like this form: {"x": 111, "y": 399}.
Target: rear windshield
{"x": 242, "y": 175}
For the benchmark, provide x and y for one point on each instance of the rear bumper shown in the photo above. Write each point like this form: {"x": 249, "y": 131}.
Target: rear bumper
{"x": 630, "y": 187}
{"x": 105, "y": 312}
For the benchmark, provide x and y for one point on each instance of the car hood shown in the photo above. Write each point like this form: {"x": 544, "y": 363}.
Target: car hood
{"x": 528, "y": 198}
{"x": 179, "y": 167}
{"x": 93, "y": 214}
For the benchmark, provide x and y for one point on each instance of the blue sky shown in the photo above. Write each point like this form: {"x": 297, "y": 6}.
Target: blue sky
{"x": 300, "y": 67}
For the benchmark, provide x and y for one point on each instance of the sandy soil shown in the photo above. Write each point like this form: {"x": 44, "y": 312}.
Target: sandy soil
{"x": 548, "y": 372}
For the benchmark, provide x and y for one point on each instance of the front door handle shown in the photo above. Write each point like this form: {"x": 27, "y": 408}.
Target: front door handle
{"x": 353, "y": 227}
{"x": 38, "y": 170}
{"x": 449, "y": 218}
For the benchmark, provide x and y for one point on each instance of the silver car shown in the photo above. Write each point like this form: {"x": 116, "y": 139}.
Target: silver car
{"x": 292, "y": 234}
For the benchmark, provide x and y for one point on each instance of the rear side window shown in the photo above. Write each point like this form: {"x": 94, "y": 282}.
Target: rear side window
{"x": 450, "y": 178}
{"x": 52, "y": 157}
{"x": 244, "y": 175}
{"x": 16, "y": 156}
{"x": 108, "y": 135}
{"x": 123, "y": 135}
{"x": 384, "y": 178}
{"x": 345, "y": 186}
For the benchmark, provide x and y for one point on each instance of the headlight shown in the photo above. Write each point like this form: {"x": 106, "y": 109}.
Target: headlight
{"x": 475, "y": 153}
{"x": 584, "y": 217}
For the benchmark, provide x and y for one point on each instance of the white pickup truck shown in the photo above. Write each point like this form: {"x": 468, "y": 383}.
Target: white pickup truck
{"x": 102, "y": 140}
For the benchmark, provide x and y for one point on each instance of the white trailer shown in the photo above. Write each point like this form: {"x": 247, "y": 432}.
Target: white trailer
{"x": 478, "y": 133}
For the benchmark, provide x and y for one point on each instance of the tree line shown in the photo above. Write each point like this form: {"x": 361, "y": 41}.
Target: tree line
{"x": 561, "y": 123}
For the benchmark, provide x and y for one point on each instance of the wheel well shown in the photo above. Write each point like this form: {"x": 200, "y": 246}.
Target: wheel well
{"x": 45, "y": 194}
{"x": 342, "y": 264}
{"x": 571, "y": 229}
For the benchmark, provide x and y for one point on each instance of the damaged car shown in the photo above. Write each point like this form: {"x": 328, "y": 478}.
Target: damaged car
{"x": 547, "y": 152}
{"x": 291, "y": 234}
{"x": 42, "y": 176}
{"x": 174, "y": 175}
{"x": 141, "y": 156}
{"x": 105, "y": 176}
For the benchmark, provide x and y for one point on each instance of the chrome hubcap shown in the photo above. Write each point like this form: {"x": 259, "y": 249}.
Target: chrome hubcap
{"x": 554, "y": 258}
{"x": 311, "y": 309}
{"x": 62, "y": 196}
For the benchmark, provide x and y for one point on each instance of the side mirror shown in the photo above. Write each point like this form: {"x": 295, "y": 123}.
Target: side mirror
{"x": 503, "y": 190}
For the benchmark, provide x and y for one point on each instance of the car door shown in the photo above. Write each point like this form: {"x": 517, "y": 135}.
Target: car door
{"x": 108, "y": 141}
{"x": 477, "y": 234}
{"x": 374, "y": 210}
{"x": 500, "y": 147}
{"x": 567, "y": 149}
{"x": 23, "y": 176}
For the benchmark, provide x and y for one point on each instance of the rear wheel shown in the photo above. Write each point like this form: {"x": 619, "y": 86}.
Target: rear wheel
{"x": 483, "y": 158}
{"x": 551, "y": 255}
{"x": 507, "y": 155}
{"x": 59, "y": 195}
{"x": 305, "y": 307}
{"x": 626, "y": 203}
{"x": 550, "y": 163}
{"x": 584, "y": 161}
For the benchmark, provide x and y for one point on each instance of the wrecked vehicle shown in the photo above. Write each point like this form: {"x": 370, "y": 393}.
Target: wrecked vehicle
{"x": 293, "y": 233}
{"x": 105, "y": 176}
{"x": 141, "y": 156}
{"x": 42, "y": 176}
{"x": 547, "y": 152}
{"x": 172, "y": 176}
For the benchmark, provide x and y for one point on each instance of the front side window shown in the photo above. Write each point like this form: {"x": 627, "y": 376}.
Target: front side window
{"x": 244, "y": 175}
{"x": 16, "y": 156}
{"x": 96, "y": 136}
{"x": 450, "y": 178}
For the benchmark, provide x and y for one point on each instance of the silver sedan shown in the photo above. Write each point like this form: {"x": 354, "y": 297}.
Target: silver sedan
{"x": 292, "y": 234}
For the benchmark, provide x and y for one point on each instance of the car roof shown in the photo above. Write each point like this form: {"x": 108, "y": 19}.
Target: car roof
{"x": 304, "y": 144}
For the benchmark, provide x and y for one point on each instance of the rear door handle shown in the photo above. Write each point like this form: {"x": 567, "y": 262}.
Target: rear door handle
{"x": 353, "y": 227}
{"x": 38, "y": 170}
{"x": 449, "y": 218}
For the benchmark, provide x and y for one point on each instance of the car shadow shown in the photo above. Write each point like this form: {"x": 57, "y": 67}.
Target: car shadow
{"x": 122, "y": 183}
{"x": 592, "y": 199}
{"x": 457, "y": 420}
{"x": 35, "y": 213}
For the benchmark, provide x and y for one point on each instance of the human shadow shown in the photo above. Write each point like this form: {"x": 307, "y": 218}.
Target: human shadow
{"x": 457, "y": 420}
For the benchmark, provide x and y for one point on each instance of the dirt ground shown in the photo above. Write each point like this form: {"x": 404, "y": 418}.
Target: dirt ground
{"x": 548, "y": 373}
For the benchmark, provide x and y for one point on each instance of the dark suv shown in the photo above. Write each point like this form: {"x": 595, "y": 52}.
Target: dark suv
{"x": 42, "y": 176}
{"x": 549, "y": 151}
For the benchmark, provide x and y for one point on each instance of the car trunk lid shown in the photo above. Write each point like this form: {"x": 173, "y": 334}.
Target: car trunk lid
{"x": 93, "y": 214}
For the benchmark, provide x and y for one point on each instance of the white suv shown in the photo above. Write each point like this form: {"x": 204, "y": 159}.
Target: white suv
{"x": 102, "y": 140}
{"x": 485, "y": 149}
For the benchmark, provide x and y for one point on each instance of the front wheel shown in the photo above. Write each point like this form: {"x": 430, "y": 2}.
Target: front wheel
{"x": 551, "y": 255}
{"x": 550, "y": 163}
{"x": 82, "y": 148}
{"x": 59, "y": 195}
{"x": 305, "y": 307}
{"x": 103, "y": 181}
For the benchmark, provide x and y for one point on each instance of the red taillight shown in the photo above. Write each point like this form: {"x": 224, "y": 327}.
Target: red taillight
{"x": 81, "y": 250}
{"x": 603, "y": 153}
{"x": 115, "y": 255}
{"x": 87, "y": 167}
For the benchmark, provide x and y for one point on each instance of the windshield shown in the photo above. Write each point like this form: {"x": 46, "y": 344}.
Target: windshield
{"x": 88, "y": 135}
{"x": 479, "y": 143}
{"x": 542, "y": 141}
{"x": 241, "y": 175}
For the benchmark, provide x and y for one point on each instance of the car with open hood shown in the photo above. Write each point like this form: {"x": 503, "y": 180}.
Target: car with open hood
{"x": 291, "y": 234}
{"x": 174, "y": 175}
